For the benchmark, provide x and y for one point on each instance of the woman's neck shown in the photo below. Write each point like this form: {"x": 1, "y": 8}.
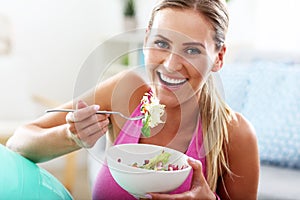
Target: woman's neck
{"x": 186, "y": 114}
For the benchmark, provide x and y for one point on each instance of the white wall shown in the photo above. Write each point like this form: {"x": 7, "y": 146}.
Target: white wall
{"x": 265, "y": 26}
{"x": 278, "y": 25}
{"x": 51, "y": 39}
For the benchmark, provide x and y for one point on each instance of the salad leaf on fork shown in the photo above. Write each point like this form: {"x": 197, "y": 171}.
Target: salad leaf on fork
{"x": 153, "y": 111}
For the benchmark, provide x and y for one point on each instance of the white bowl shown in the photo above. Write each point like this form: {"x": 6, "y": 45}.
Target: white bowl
{"x": 139, "y": 182}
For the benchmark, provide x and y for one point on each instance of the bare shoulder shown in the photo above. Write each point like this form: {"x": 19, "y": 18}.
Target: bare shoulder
{"x": 242, "y": 140}
{"x": 122, "y": 79}
{"x": 243, "y": 157}
{"x": 126, "y": 85}
{"x": 241, "y": 130}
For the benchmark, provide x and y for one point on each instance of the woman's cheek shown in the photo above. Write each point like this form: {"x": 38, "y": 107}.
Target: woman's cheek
{"x": 151, "y": 60}
{"x": 201, "y": 67}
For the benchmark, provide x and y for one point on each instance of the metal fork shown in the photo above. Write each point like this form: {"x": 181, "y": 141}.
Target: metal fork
{"x": 100, "y": 112}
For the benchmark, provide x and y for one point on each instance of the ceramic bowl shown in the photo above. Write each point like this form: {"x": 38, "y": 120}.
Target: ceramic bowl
{"x": 138, "y": 181}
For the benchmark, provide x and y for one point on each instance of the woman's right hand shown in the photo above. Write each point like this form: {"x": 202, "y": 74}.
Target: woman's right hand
{"x": 85, "y": 126}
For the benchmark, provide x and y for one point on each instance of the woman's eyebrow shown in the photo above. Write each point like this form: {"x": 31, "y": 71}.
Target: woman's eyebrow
{"x": 158, "y": 35}
{"x": 194, "y": 44}
{"x": 185, "y": 44}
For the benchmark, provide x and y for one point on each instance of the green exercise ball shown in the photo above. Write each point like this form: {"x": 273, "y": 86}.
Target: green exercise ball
{"x": 23, "y": 179}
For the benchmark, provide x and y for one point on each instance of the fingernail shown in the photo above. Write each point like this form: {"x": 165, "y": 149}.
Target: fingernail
{"x": 192, "y": 159}
{"x": 148, "y": 196}
{"x": 96, "y": 107}
{"x": 78, "y": 103}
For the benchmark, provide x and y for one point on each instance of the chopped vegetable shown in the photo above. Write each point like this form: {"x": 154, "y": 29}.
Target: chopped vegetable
{"x": 153, "y": 111}
{"x": 159, "y": 163}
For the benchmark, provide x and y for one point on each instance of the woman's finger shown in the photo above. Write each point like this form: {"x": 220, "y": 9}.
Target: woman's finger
{"x": 70, "y": 118}
{"x": 83, "y": 111}
{"x": 198, "y": 177}
{"x": 157, "y": 196}
{"x": 91, "y": 121}
{"x": 92, "y": 139}
{"x": 85, "y": 124}
{"x": 81, "y": 104}
{"x": 92, "y": 128}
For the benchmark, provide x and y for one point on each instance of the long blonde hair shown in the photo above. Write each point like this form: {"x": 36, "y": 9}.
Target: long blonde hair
{"x": 215, "y": 113}
{"x": 215, "y": 116}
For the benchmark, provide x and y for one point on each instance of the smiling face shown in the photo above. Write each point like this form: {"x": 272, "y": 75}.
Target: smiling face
{"x": 179, "y": 54}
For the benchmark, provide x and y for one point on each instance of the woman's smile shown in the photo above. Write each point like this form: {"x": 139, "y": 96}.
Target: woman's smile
{"x": 171, "y": 82}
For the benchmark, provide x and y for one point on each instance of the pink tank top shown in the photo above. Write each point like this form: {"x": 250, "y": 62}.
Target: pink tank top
{"x": 105, "y": 186}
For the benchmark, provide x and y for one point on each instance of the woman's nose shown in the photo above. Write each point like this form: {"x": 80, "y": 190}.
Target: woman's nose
{"x": 173, "y": 62}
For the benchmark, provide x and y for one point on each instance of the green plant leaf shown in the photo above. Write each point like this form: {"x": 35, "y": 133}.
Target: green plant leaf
{"x": 129, "y": 8}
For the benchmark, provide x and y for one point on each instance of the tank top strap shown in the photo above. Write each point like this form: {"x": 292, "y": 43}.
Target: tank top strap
{"x": 196, "y": 148}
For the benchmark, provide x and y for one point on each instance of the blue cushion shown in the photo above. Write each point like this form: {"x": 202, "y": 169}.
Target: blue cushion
{"x": 268, "y": 94}
{"x": 273, "y": 107}
{"x": 236, "y": 81}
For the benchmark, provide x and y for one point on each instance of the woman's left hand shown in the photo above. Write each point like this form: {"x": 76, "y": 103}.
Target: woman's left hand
{"x": 199, "y": 187}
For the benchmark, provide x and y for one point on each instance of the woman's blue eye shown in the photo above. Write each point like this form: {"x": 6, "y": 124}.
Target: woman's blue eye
{"x": 162, "y": 44}
{"x": 193, "y": 51}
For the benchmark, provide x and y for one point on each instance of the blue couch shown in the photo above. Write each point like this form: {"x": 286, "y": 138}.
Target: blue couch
{"x": 268, "y": 94}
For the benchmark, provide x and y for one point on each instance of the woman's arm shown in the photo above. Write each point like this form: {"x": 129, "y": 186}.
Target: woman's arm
{"x": 243, "y": 162}
{"x": 43, "y": 139}
{"x": 47, "y": 137}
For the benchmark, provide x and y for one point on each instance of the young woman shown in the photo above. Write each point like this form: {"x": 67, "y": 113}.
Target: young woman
{"x": 184, "y": 46}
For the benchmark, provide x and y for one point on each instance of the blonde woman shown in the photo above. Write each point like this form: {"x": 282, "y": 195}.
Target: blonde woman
{"x": 184, "y": 46}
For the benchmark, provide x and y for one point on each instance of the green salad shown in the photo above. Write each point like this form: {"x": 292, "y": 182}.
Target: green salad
{"x": 159, "y": 163}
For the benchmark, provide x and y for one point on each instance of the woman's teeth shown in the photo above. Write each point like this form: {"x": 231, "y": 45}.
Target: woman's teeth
{"x": 171, "y": 81}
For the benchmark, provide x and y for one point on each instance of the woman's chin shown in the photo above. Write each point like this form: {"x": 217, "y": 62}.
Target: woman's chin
{"x": 174, "y": 98}
{"x": 168, "y": 98}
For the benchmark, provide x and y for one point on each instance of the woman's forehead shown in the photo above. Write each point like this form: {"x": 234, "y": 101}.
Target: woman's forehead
{"x": 188, "y": 23}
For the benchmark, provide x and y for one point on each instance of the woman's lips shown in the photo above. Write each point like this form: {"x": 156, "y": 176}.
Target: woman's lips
{"x": 168, "y": 81}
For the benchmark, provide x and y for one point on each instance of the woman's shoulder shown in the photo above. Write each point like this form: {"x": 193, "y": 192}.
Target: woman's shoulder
{"x": 123, "y": 78}
{"x": 242, "y": 138}
{"x": 243, "y": 157}
{"x": 242, "y": 142}
{"x": 240, "y": 129}
{"x": 130, "y": 86}
{"x": 125, "y": 85}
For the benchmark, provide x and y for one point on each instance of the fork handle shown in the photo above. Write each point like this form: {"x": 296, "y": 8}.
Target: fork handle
{"x": 106, "y": 112}
{"x": 59, "y": 110}
{"x": 71, "y": 110}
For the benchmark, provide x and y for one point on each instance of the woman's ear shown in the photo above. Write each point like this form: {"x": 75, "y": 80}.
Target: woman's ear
{"x": 147, "y": 32}
{"x": 219, "y": 59}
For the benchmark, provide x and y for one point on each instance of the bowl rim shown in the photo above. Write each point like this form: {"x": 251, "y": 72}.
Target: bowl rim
{"x": 141, "y": 170}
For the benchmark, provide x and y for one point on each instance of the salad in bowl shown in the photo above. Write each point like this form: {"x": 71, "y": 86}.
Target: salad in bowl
{"x": 143, "y": 168}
